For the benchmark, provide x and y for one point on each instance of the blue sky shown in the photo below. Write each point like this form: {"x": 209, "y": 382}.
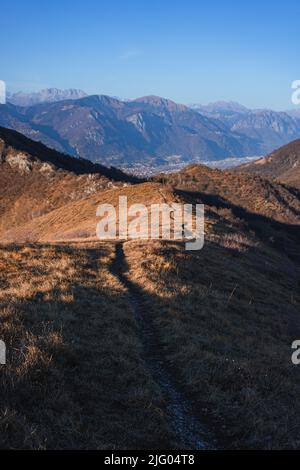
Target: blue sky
{"x": 189, "y": 51}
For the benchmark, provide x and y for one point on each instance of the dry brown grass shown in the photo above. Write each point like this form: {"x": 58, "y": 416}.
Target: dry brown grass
{"x": 282, "y": 164}
{"x": 26, "y": 197}
{"x": 78, "y": 219}
{"x": 74, "y": 376}
{"x": 250, "y": 192}
{"x": 35, "y": 180}
{"x": 226, "y": 318}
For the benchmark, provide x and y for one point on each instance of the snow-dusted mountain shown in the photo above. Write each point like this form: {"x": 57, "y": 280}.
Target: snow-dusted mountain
{"x": 48, "y": 95}
{"x": 220, "y": 107}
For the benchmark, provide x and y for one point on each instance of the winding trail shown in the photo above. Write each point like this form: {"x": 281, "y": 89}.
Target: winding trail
{"x": 188, "y": 432}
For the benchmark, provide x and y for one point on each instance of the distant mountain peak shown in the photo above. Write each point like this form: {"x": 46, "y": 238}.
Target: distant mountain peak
{"x": 158, "y": 101}
{"x": 221, "y": 107}
{"x": 47, "y": 95}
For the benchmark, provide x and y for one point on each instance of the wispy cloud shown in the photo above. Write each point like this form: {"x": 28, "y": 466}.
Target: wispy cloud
{"x": 131, "y": 53}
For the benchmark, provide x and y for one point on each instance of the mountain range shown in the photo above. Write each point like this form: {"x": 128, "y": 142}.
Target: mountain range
{"x": 148, "y": 132}
{"x": 268, "y": 128}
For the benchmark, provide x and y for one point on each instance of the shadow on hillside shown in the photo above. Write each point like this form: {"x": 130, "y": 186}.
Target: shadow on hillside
{"x": 170, "y": 331}
{"x": 94, "y": 395}
{"x": 279, "y": 235}
{"x": 74, "y": 378}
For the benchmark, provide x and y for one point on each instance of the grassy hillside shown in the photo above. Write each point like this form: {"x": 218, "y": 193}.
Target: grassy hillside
{"x": 35, "y": 180}
{"x": 77, "y": 220}
{"x": 74, "y": 376}
{"x": 228, "y": 188}
{"x": 282, "y": 165}
{"x": 226, "y": 318}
